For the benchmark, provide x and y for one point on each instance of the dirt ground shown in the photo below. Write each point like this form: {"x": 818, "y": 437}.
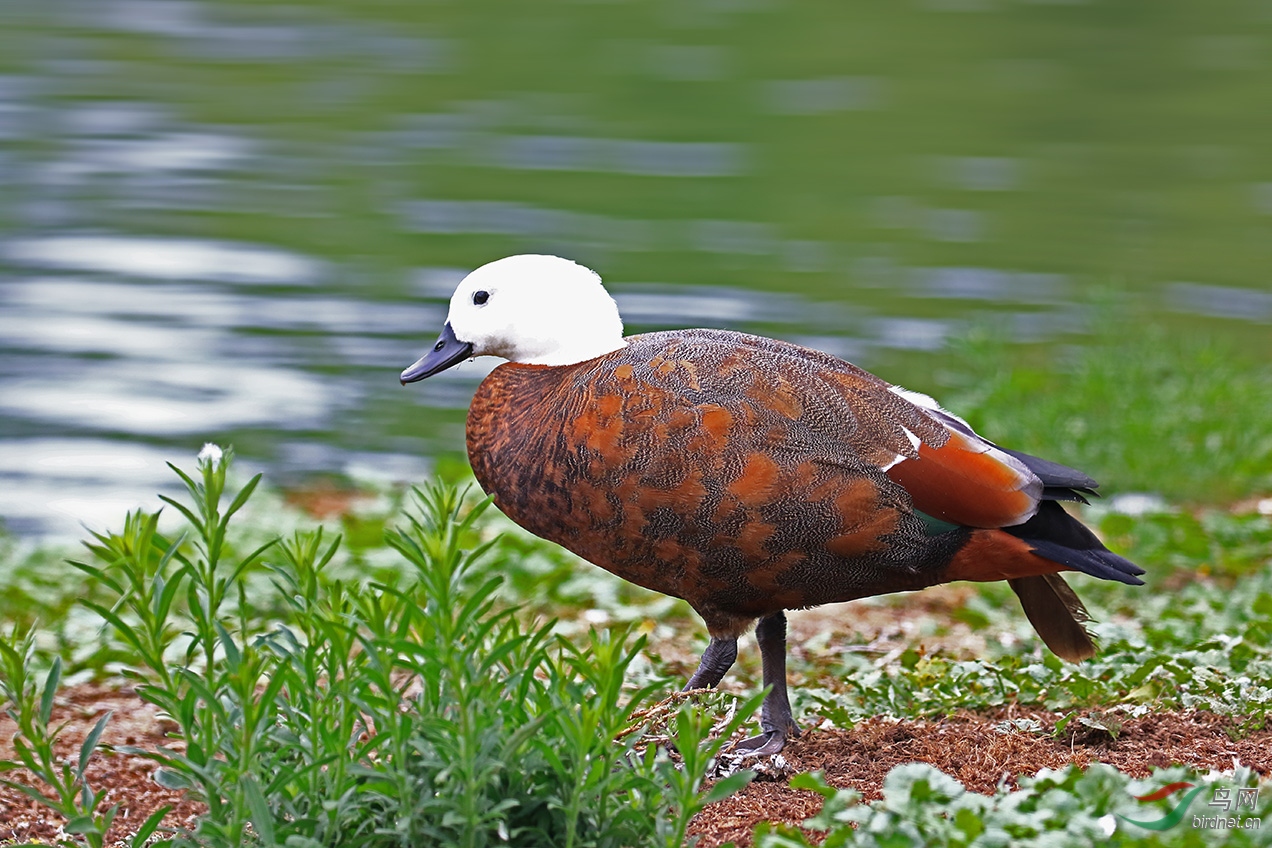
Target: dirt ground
{"x": 978, "y": 749}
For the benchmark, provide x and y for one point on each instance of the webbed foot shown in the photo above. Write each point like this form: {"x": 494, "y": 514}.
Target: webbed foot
{"x": 766, "y": 744}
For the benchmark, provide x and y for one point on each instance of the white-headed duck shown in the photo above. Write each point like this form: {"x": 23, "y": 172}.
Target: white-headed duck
{"x": 745, "y": 475}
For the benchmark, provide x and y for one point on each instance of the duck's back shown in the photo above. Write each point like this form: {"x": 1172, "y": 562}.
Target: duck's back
{"x": 740, "y": 473}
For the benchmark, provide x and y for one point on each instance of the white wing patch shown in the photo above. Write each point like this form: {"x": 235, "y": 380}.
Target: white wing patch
{"x": 928, "y": 402}
{"x": 895, "y": 460}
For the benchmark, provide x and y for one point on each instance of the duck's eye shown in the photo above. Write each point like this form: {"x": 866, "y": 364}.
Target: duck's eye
{"x": 481, "y": 297}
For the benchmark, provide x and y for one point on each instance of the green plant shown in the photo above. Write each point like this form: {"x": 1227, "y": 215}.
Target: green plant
{"x": 31, "y": 708}
{"x": 1064, "y": 808}
{"x": 417, "y": 710}
{"x": 210, "y": 692}
{"x": 1199, "y": 647}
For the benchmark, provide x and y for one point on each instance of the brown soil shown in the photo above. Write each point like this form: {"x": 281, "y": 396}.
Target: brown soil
{"x": 979, "y": 750}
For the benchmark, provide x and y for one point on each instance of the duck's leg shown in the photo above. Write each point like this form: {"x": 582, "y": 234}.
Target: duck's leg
{"x": 775, "y": 715}
{"x": 716, "y": 660}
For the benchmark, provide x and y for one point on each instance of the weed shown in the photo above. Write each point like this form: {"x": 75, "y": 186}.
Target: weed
{"x": 31, "y": 708}
{"x": 1065, "y": 808}
{"x": 398, "y": 713}
{"x": 1196, "y": 648}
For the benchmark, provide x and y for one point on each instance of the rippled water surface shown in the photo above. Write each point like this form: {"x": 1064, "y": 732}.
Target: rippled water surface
{"x": 237, "y": 221}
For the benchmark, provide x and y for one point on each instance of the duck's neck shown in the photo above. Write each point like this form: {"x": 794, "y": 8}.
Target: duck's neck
{"x": 572, "y": 351}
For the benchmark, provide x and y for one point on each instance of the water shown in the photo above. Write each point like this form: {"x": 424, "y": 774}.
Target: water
{"x": 237, "y": 221}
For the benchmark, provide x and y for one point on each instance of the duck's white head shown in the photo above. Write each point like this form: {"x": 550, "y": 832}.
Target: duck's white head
{"x": 542, "y": 310}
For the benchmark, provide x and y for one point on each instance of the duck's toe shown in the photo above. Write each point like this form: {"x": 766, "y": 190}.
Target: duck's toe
{"x": 766, "y": 744}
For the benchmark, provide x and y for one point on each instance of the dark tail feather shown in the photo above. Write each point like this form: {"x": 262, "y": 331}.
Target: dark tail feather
{"x": 1060, "y": 482}
{"x": 1055, "y": 535}
{"x": 1057, "y": 614}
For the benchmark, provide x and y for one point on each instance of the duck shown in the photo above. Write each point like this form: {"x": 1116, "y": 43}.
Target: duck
{"x": 746, "y": 475}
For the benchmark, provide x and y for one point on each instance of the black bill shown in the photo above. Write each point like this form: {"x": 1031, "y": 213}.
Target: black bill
{"x": 447, "y": 352}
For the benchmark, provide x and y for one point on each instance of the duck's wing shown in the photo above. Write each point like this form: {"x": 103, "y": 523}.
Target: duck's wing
{"x": 851, "y": 416}
{"x": 969, "y": 480}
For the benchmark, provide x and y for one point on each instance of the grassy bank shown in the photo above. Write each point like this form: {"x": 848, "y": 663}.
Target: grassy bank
{"x": 418, "y": 669}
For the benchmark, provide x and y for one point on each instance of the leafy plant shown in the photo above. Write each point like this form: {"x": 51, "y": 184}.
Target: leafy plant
{"x": 1195, "y": 648}
{"x": 411, "y": 711}
{"x": 68, "y": 790}
{"x": 1064, "y": 808}
{"x": 211, "y": 692}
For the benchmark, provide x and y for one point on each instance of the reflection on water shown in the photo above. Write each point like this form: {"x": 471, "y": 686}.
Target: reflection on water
{"x": 1221, "y": 301}
{"x": 60, "y": 484}
{"x": 186, "y": 259}
{"x": 238, "y": 222}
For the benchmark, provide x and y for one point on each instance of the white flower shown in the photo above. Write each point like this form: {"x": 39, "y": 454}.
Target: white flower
{"x": 211, "y": 453}
{"x": 1107, "y": 823}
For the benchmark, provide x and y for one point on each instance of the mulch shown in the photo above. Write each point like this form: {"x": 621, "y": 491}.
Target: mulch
{"x": 981, "y": 750}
